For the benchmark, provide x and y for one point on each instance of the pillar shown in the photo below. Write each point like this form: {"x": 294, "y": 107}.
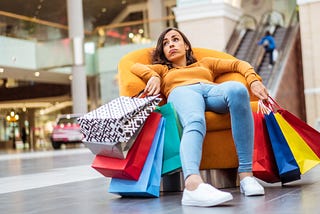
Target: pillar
{"x": 32, "y": 129}
{"x": 207, "y": 23}
{"x": 76, "y": 34}
{"x": 310, "y": 37}
{"x": 156, "y": 12}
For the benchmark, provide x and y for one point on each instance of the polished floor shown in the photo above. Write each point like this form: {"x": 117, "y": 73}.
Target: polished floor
{"x": 63, "y": 182}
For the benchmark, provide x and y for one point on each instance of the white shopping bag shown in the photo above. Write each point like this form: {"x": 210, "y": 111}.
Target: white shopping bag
{"x": 118, "y": 120}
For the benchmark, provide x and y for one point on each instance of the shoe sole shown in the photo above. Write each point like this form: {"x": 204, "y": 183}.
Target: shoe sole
{"x": 207, "y": 203}
{"x": 252, "y": 193}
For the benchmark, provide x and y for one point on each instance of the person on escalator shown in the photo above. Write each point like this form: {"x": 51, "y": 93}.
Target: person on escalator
{"x": 269, "y": 45}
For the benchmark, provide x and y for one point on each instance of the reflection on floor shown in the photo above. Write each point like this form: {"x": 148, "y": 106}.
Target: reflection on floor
{"x": 63, "y": 182}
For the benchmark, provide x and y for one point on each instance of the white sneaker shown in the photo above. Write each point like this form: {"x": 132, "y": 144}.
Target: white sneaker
{"x": 205, "y": 196}
{"x": 249, "y": 186}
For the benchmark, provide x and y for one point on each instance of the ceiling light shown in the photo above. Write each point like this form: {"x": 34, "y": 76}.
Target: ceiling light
{"x": 1, "y": 70}
{"x": 103, "y": 10}
{"x": 37, "y": 73}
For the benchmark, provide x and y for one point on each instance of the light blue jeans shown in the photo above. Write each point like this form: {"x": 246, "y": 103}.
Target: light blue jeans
{"x": 192, "y": 101}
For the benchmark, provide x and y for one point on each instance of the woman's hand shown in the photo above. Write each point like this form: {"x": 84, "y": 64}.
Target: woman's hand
{"x": 259, "y": 90}
{"x": 153, "y": 86}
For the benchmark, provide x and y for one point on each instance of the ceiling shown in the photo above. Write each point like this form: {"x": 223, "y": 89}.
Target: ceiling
{"x": 95, "y": 12}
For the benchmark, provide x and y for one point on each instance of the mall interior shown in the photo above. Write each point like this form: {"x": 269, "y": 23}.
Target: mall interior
{"x": 61, "y": 57}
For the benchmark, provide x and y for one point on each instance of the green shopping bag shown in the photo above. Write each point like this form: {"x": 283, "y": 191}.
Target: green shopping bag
{"x": 172, "y": 137}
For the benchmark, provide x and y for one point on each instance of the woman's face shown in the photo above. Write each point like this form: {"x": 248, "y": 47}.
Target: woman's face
{"x": 174, "y": 48}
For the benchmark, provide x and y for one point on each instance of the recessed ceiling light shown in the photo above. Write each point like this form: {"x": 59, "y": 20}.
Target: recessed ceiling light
{"x": 37, "y": 73}
{"x": 103, "y": 10}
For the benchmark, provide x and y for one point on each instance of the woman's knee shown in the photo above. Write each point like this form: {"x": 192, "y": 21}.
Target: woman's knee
{"x": 238, "y": 91}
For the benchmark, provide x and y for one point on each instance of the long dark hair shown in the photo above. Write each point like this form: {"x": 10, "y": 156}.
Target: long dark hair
{"x": 158, "y": 56}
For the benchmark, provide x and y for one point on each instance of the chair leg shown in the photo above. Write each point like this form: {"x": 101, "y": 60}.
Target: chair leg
{"x": 219, "y": 178}
{"x": 172, "y": 182}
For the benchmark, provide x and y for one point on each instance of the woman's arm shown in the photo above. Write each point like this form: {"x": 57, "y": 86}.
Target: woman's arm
{"x": 145, "y": 72}
{"x": 244, "y": 68}
{"x": 149, "y": 75}
{"x": 153, "y": 86}
{"x": 220, "y": 66}
{"x": 259, "y": 90}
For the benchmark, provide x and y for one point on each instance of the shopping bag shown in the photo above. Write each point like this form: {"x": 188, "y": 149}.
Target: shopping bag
{"x": 112, "y": 149}
{"x": 303, "y": 154}
{"x": 173, "y": 132}
{"x": 264, "y": 165}
{"x": 287, "y": 166}
{"x": 310, "y": 135}
{"x": 148, "y": 184}
{"x": 275, "y": 55}
{"x": 305, "y": 157}
{"x": 118, "y": 120}
{"x": 130, "y": 168}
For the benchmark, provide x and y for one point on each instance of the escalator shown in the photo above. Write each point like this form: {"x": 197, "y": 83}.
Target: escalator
{"x": 241, "y": 39}
{"x": 245, "y": 44}
{"x": 285, "y": 79}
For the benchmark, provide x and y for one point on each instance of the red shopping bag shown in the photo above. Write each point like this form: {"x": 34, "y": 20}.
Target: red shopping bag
{"x": 131, "y": 167}
{"x": 310, "y": 135}
{"x": 264, "y": 164}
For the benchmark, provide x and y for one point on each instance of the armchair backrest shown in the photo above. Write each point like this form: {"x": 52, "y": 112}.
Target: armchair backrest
{"x": 130, "y": 84}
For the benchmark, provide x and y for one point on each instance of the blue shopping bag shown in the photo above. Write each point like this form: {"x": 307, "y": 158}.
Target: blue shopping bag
{"x": 172, "y": 137}
{"x": 148, "y": 184}
{"x": 286, "y": 163}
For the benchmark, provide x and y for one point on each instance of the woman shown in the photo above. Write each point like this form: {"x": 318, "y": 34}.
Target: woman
{"x": 188, "y": 84}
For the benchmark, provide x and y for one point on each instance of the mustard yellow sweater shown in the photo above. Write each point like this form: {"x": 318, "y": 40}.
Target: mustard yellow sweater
{"x": 205, "y": 71}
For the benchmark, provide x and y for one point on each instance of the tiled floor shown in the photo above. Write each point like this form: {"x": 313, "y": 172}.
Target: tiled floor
{"x": 63, "y": 182}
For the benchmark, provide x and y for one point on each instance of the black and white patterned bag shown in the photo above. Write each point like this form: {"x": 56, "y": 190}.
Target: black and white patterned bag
{"x": 118, "y": 120}
{"x": 112, "y": 149}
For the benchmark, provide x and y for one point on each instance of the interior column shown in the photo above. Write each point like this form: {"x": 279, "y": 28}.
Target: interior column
{"x": 309, "y": 16}
{"x": 76, "y": 34}
{"x": 207, "y": 23}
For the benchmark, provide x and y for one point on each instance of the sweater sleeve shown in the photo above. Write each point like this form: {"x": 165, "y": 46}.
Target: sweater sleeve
{"x": 220, "y": 66}
{"x": 145, "y": 72}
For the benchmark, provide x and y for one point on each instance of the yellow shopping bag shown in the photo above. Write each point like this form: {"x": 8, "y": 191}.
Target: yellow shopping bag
{"x": 302, "y": 153}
